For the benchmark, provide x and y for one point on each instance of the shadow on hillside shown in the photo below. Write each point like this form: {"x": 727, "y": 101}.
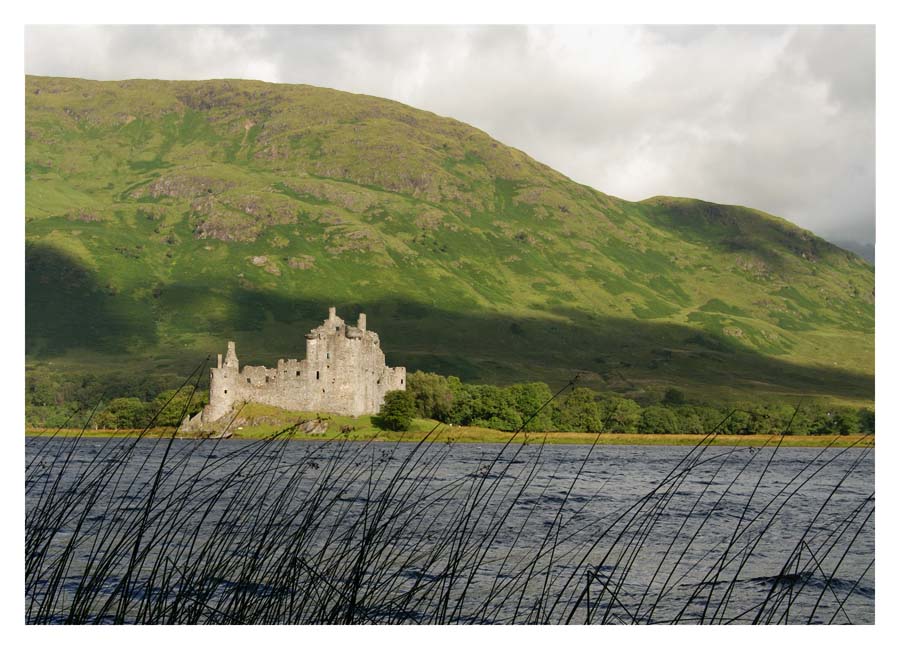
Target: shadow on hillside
{"x": 735, "y": 229}
{"x": 612, "y": 353}
{"x": 67, "y": 307}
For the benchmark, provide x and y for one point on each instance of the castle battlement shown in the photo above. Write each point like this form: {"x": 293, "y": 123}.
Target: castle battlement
{"x": 344, "y": 372}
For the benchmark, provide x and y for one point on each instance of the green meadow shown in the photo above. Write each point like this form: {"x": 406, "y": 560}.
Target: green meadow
{"x": 165, "y": 218}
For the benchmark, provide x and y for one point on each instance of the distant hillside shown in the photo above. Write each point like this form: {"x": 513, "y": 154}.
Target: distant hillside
{"x": 865, "y": 251}
{"x": 163, "y": 218}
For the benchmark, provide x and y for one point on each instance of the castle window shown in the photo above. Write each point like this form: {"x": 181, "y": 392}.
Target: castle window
{"x": 248, "y": 380}
{"x": 328, "y": 355}
{"x": 297, "y": 373}
{"x": 225, "y": 391}
{"x": 337, "y": 328}
{"x": 401, "y": 382}
{"x": 317, "y": 374}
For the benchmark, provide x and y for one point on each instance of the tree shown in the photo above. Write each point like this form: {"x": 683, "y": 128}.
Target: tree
{"x": 789, "y": 419}
{"x": 658, "y": 419}
{"x": 485, "y": 406}
{"x": 709, "y": 417}
{"x": 688, "y": 420}
{"x": 673, "y": 397}
{"x": 738, "y": 423}
{"x": 768, "y": 419}
{"x": 123, "y": 413}
{"x": 170, "y": 406}
{"x": 579, "y": 411}
{"x": 819, "y": 418}
{"x": 432, "y": 393}
{"x": 831, "y": 421}
{"x": 528, "y": 400}
{"x": 397, "y": 412}
{"x": 866, "y": 420}
{"x": 463, "y": 409}
{"x": 846, "y": 421}
{"x": 620, "y": 415}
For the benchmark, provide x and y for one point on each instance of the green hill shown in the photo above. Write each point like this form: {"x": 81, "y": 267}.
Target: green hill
{"x": 163, "y": 218}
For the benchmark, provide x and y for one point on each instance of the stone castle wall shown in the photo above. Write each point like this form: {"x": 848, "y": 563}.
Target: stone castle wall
{"x": 344, "y": 372}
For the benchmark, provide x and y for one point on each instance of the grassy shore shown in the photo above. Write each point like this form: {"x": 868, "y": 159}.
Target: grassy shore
{"x": 478, "y": 435}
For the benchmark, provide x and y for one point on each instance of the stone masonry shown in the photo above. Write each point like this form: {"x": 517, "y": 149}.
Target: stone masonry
{"x": 343, "y": 372}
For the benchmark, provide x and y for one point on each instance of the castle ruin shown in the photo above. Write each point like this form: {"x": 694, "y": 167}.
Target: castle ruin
{"x": 343, "y": 373}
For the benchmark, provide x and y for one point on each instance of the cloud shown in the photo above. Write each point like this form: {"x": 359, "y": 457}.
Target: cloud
{"x": 778, "y": 118}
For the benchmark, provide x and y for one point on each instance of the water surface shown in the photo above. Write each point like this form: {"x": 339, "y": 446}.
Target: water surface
{"x": 227, "y": 531}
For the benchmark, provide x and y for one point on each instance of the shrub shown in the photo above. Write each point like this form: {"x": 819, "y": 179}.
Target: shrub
{"x": 688, "y": 420}
{"x": 171, "y": 406}
{"x": 673, "y": 397}
{"x": 658, "y": 419}
{"x": 847, "y": 421}
{"x": 621, "y": 415}
{"x": 841, "y": 421}
{"x": 527, "y": 400}
{"x": 123, "y": 413}
{"x": 866, "y": 420}
{"x": 579, "y": 411}
{"x": 703, "y": 419}
{"x": 432, "y": 394}
{"x": 397, "y": 412}
{"x": 485, "y": 406}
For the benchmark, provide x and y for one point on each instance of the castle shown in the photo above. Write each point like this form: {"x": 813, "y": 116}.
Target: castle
{"x": 343, "y": 372}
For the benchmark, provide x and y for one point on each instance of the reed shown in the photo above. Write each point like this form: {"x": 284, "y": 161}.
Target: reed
{"x": 273, "y": 531}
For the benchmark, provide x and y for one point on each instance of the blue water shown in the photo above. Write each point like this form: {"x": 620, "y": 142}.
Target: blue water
{"x": 294, "y": 532}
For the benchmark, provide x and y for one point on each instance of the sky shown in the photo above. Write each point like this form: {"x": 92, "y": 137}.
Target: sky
{"x": 779, "y": 118}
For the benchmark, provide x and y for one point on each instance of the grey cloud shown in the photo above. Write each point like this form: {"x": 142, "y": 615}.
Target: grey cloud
{"x": 779, "y": 118}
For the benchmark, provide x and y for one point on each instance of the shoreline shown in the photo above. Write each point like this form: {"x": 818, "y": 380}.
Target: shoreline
{"x": 473, "y": 435}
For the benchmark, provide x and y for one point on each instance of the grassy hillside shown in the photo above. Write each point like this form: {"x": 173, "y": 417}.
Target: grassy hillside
{"x": 166, "y": 217}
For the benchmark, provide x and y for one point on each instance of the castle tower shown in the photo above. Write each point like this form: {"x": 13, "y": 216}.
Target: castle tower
{"x": 231, "y": 360}
{"x": 361, "y": 323}
{"x": 222, "y": 384}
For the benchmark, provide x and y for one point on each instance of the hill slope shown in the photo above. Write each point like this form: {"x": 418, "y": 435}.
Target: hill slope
{"x": 163, "y": 218}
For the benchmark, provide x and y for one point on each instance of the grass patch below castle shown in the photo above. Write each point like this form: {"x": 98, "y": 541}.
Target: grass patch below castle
{"x": 261, "y": 421}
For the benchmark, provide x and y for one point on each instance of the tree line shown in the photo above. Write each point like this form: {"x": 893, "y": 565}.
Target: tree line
{"x": 533, "y": 407}
{"x": 54, "y": 400}
{"x": 107, "y": 401}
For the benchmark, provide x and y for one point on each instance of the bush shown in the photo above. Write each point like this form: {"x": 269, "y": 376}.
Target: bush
{"x": 847, "y": 421}
{"x": 171, "y": 406}
{"x": 658, "y": 419}
{"x": 527, "y": 400}
{"x": 702, "y": 419}
{"x": 688, "y": 420}
{"x": 123, "y": 413}
{"x": 485, "y": 406}
{"x": 841, "y": 421}
{"x": 866, "y": 420}
{"x": 579, "y": 411}
{"x": 432, "y": 394}
{"x": 621, "y": 415}
{"x": 51, "y": 396}
{"x": 397, "y": 412}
